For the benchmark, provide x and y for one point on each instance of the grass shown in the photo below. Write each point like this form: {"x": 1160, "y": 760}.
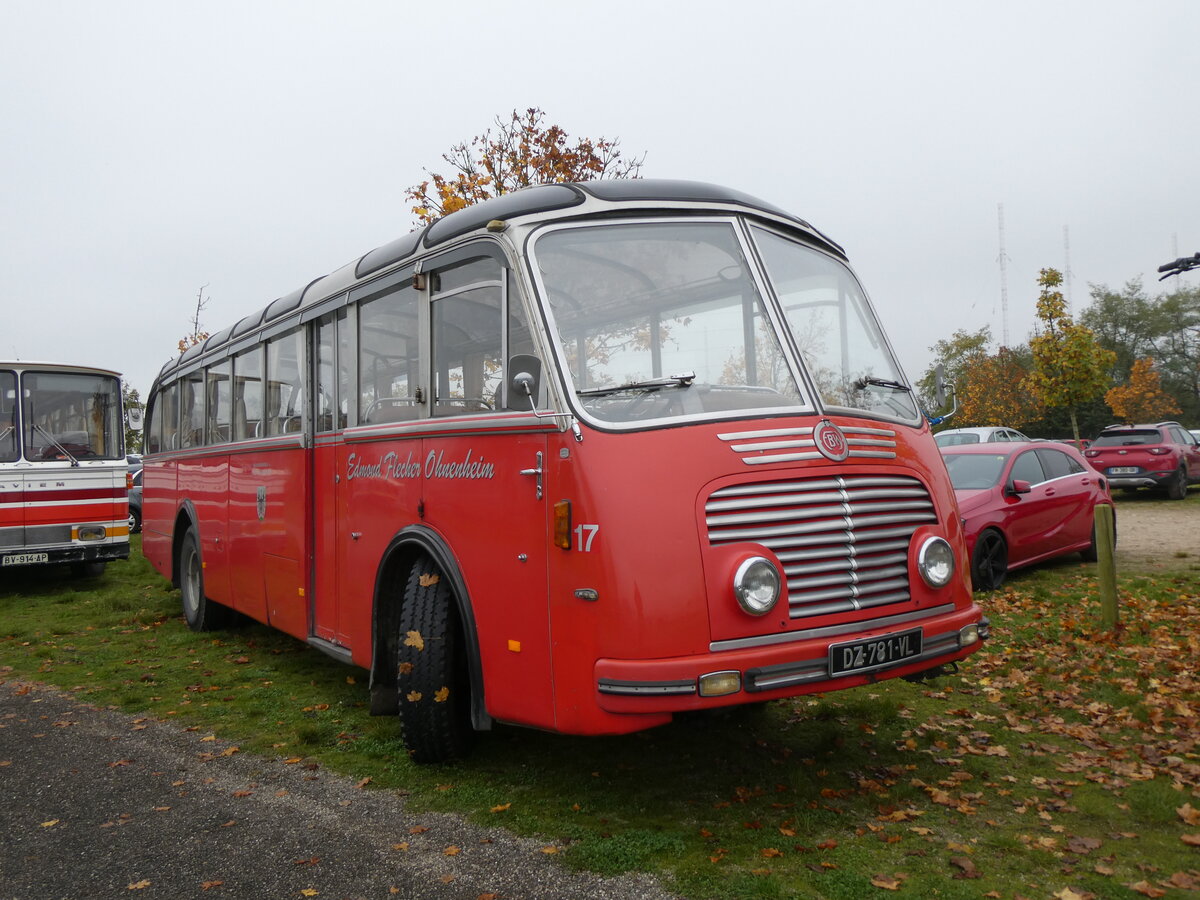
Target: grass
{"x": 1057, "y": 759}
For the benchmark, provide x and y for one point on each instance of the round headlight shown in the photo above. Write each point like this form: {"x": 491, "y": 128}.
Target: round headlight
{"x": 936, "y": 562}
{"x": 756, "y": 585}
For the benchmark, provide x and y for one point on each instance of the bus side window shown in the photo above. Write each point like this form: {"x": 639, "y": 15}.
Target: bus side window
{"x": 467, "y": 338}
{"x": 285, "y": 383}
{"x": 248, "y": 394}
{"x": 192, "y": 408}
{"x": 170, "y": 417}
{"x": 389, "y": 362}
{"x": 219, "y": 405}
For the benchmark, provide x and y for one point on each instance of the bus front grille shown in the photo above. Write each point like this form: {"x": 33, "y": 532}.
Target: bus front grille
{"x": 843, "y": 541}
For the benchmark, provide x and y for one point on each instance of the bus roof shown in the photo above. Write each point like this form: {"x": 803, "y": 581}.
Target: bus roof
{"x": 42, "y": 365}
{"x": 617, "y": 194}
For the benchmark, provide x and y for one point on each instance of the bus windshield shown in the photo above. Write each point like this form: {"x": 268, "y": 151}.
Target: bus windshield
{"x": 70, "y": 416}
{"x": 8, "y": 416}
{"x": 661, "y": 320}
{"x": 835, "y": 330}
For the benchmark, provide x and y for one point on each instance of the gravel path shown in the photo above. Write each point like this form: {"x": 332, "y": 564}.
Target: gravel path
{"x": 98, "y": 804}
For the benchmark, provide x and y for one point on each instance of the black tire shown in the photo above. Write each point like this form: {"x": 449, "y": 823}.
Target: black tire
{"x": 1177, "y": 486}
{"x": 433, "y": 684}
{"x": 135, "y": 520}
{"x": 989, "y": 561}
{"x": 201, "y": 613}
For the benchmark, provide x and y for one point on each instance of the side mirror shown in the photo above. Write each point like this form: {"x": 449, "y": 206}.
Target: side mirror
{"x": 525, "y": 381}
{"x": 1018, "y": 487}
{"x": 135, "y": 418}
{"x": 939, "y": 385}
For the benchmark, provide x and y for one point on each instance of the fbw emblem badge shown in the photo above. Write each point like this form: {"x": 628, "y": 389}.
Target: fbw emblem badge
{"x": 831, "y": 441}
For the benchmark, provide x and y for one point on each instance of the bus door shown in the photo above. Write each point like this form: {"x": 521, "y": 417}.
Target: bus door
{"x": 333, "y": 377}
{"x": 484, "y": 472}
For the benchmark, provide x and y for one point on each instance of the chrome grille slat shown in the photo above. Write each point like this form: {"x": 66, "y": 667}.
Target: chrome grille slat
{"x": 843, "y": 540}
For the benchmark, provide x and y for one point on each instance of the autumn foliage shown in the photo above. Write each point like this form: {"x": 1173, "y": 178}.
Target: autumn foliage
{"x": 523, "y": 150}
{"x": 992, "y": 392}
{"x": 1069, "y": 366}
{"x": 1142, "y": 399}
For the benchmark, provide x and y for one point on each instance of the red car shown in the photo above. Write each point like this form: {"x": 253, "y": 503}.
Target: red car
{"x": 1023, "y": 503}
{"x": 1163, "y": 455}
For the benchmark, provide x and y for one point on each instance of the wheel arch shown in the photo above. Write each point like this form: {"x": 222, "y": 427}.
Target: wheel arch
{"x": 185, "y": 518}
{"x": 398, "y": 559}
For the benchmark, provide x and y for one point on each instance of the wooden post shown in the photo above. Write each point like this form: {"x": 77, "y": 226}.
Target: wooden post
{"x": 1107, "y": 558}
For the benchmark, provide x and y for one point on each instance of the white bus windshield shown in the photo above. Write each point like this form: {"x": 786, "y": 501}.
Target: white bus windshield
{"x": 661, "y": 320}
{"x": 69, "y": 416}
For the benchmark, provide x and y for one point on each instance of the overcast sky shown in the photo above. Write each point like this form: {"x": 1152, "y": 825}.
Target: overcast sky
{"x": 152, "y": 148}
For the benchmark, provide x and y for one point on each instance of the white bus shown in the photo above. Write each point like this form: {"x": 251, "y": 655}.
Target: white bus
{"x": 63, "y": 491}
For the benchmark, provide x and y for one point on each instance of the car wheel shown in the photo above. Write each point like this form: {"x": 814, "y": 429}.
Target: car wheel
{"x": 431, "y": 668}
{"x": 88, "y": 569}
{"x": 1177, "y": 486}
{"x": 201, "y": 613}
{"x": 989, "y": 562}
{"x": 135, "y": 521}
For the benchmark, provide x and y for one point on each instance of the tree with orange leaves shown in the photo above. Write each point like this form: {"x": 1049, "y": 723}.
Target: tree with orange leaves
{"x": 523, "y": 151}
{"x": 1142, "y": 399}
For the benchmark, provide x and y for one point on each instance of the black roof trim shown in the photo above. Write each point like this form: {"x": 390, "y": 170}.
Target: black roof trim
{"x": 617, "y": 190}
{"x": 539, "y": 198}
{"x": 284, "y": 304}
{"x": 389, "y": 253}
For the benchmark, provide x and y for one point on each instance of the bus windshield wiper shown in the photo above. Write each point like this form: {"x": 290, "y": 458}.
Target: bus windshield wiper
{"x": 684, "y": 379}
{"x": 869, "y": 380}
{"x": 61, "y": 449}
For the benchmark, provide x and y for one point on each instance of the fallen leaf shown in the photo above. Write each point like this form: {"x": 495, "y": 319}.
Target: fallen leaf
{"x": 362, "y": 784}
{"x": 311, "y": 861}
{"x": 770, "y": 853}
{"x": 502, "y": 807}
{"x": 414, "y": 639}
{"x": 549, "y": 850}
{"x": 1189, "y": 814}
{"x": 50, "y": 824}
{"x": 1192, "y": 840}
{"x": 441, "y": 694}
{"x": 429, "y": 580}
{"x": 886, "y": 882}
{"x": 309, "y": 892}
{"x": 418, "y": 829}
{"x": 1082, "y": 845}
{"x": 965, "y": 866}
{"x": 138, "y": 885}
{"x": 452, "y": 850}
{"x": 205, "y": 885}
{"x": 1146, "y": 889}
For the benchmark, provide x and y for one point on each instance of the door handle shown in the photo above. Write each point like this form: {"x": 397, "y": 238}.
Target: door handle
{"x": 537, "y": 472}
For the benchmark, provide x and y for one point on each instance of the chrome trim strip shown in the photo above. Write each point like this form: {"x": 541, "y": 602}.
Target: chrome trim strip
{"x": 644, "y": 688}
{"x": 459, "y": 426}
{"x": 830, "y": 630}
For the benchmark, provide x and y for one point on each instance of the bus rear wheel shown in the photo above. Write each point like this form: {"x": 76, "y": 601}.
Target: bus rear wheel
{"x": 201, "y": 613}
{"x": 434, "y": 693}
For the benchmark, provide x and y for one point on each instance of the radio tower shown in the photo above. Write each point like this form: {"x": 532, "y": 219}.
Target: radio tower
{"x": 1003, "y": 280}
{"x": 1067, "y": 270}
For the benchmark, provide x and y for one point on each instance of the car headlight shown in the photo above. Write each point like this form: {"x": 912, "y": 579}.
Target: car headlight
{"x": 757, "y": 585}
{"x": 936, "y": 562}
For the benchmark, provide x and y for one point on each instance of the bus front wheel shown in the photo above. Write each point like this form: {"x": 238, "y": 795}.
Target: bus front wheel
{"x": 201, "y": 613}
{"x": 434, "y": 693}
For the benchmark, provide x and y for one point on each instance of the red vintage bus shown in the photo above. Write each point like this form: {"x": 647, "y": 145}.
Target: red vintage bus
{"x": 63, "y": 494}
{"x": 577, "y": 458}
